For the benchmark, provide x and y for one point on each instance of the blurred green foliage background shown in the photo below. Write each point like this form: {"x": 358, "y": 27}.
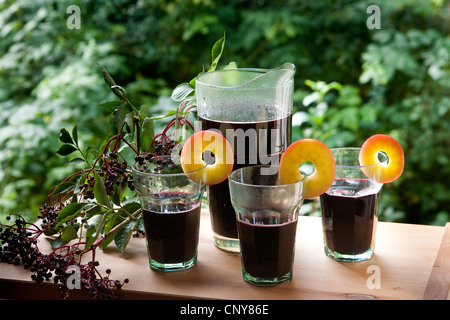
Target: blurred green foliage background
{"x": 351, "y": 81}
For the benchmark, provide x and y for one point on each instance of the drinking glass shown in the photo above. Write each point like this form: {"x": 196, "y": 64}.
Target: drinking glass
{"x": 266, "y": 214}
{"x": 350, "y": 208}
{"x": 171, "y": 204}
{"x": 252, "y": 108}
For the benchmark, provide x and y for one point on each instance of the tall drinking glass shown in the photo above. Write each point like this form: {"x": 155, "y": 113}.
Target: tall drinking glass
{"x": 252, "y": 108}
{"x": 350, "y": 208}
{"x": 171, "y": 204}
{"x": 266, "y": 213}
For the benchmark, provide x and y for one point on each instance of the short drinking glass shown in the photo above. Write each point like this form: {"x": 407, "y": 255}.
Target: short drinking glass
{"x": 350, "y": 208}
{"x": 171, "y": 204}
{"x": 266, "y": 214}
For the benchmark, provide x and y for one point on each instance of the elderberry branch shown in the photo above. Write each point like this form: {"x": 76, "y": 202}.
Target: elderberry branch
{"x": 119, "y": 226}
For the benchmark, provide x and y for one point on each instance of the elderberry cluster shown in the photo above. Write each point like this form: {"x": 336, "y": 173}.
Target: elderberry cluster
{"x": 115, "y": 172}
{"x": 160, "y": 147}
{"x": 164, "y": 147}
{"x": 18, "y": 245}
{"x": 156, "y": 164}
{"x": 87, "y": 188}
{"x": 159, "y": 160}
{"x": 48, "y": 213}
{"x": 89, "y": 279}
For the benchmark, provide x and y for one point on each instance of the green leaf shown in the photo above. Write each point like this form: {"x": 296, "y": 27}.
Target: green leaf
{"x": 192, "y": 82}
{"x": 106, "y": 76}
{"x": 112, "y": 221}
{"x": 94, "y": 210}
{"x": 124, "y": 234}
{"x": 231, "y": 65}
{"x": 91, "y": 150}
{"x": 57, "y": 242}
{"x": 106, "y": 139}
{"x": 216, "y": 53}
{"x": 350, "y": 119}
{"x": 91, "y": 236}
{"x": 132, "y": 206}
{"x": 182, "y": 91}
{"x": 147, "y": 133}
{"x": 140, "y": 223}
{"x": 168, "y": 114}
{"x": 70, "y": 211}
{"x": 95, "y": 227}
{"x": 50, "y": 232}
{"x": 117, "y": 194}
{"x": 107, "y": 241}
{"x": 64, "y": 136}
{"x": 66, "y": 149}
{"x": 69, "y": 233}
{"x": 63, "y": 187}
{"x": 100, "y": 191}
{"x": 76, "y": 160}
{"x": 110, "y": 105}
{"x": 129, "y": 120}
{"x": 75, "y": 134}
{"x": 117, "y": 118}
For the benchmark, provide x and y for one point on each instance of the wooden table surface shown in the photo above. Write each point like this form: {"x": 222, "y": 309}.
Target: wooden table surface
{"x": 410, "y": 262}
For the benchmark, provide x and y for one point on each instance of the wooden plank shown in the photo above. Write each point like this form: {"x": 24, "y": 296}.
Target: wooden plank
{"x": 439, "y": 281}
{"x": 404, "y": 257}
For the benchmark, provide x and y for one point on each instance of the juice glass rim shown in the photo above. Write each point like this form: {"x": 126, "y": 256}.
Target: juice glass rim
{"x": 159, "y": 174}
{"x": 275, "y": 186}
{"x": 353, "y": 149}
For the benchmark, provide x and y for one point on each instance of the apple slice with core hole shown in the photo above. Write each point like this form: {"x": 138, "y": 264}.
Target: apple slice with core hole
{"x": 211, "y": 148}
{"x": 316, "y": 152}
{"x": 392, "y": 168}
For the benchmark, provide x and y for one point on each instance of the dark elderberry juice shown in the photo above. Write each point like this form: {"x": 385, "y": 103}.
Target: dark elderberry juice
{"x": 249, "y": 140}
{"x": 172, "y": 236}
{"x": 267, "y": 251}
{"x": 349, "y": 220}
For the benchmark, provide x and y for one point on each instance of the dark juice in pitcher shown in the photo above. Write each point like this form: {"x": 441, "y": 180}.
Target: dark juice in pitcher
{"x": 259, "y": 142}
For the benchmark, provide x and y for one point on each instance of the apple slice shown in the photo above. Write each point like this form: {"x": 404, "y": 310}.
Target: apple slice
{"x": 391, "y": 169}
{"x": 308, "y": 150}
{"x": 211, "y": 148}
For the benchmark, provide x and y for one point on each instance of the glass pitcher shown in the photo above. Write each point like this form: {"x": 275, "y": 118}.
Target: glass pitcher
{"x": 252, "y": 108}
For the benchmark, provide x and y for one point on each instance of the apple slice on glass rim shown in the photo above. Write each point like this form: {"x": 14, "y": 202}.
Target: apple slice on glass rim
{"x": 393, "y": 158}
{"x": 211, "y": 148}
{"x": 315, "y": 152}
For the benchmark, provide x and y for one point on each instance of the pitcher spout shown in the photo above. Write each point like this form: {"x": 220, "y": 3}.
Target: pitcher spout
{"x": 288, "y": 66}
{"x": 249, "y": 78}
{"x": 284, "y": 73}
